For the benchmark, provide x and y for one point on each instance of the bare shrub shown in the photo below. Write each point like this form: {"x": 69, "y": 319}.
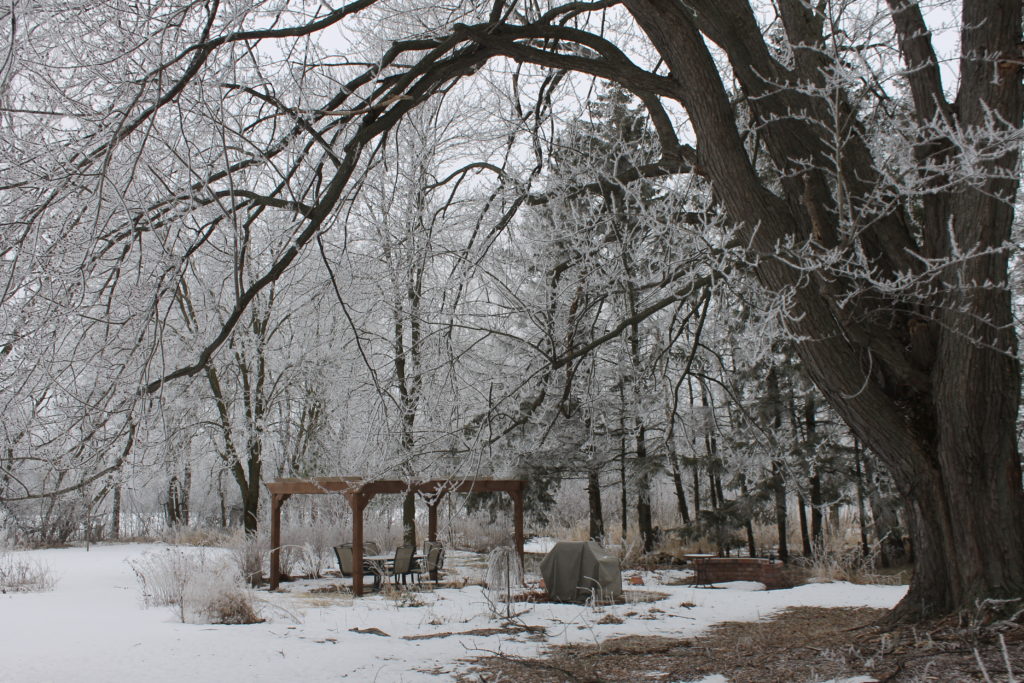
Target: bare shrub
{"x": 164, "y": 575}
{"x": 199, "y": 586}
{"x": 313, "y": 547}
{"x": 249, "y": 552}
{"x": 20, "y": 574}
{"x": 45, "y": 525}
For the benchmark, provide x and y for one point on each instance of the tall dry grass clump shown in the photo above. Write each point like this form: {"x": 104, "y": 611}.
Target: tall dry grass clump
{"x": 21, "y": 574}
{"x": 201, "y": 586}
{"x": 845, "y": 563}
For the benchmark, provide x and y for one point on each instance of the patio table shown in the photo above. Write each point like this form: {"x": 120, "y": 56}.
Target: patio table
{"x": 379, "y": 564}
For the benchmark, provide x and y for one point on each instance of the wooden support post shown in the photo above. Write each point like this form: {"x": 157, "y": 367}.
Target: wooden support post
{"x": 358, "y": 503}
{"x": 517, "y": 511}
{"x": 276, "y": 501}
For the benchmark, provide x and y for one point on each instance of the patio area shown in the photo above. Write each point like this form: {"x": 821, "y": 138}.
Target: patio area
{"x": 359, "y": 492}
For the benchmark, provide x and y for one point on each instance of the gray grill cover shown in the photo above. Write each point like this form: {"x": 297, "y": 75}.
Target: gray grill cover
{"x": 576, "y": 571}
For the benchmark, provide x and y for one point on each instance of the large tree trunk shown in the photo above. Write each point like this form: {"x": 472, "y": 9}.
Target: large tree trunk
{"x": 928, "y": 378}
{"x": 251, "y": 510}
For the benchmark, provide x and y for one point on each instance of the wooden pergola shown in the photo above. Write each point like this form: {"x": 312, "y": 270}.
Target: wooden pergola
{"x": 359, "y": 492}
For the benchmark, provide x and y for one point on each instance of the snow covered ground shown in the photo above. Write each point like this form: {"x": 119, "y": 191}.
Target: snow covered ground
{"x": 93, "y": 627}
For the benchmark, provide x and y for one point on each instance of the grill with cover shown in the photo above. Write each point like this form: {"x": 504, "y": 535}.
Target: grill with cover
{"x": 578, "y": 571}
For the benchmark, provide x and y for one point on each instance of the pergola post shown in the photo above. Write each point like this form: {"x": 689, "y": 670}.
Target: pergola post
{"x": 276, "y": 501}
{"x": 357, "y": 500}
{"x": 517, "y": 514}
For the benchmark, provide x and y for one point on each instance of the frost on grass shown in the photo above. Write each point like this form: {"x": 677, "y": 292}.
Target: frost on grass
{"x": 201, "y": 587}
{"x": 19, "y": 574}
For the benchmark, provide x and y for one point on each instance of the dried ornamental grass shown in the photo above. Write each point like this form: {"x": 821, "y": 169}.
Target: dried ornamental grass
{"x": 19, "y": 574}
{"x": 200, "y": 587}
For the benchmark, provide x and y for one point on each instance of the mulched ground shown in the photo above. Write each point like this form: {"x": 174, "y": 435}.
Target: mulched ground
{"x": 807, "y": 644}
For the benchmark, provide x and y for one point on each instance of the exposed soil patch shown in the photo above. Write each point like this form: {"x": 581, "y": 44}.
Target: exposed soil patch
{"x": 807, "y": 644}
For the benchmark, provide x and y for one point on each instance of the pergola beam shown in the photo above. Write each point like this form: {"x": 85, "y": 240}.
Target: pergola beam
{"x": 433, "y": 486}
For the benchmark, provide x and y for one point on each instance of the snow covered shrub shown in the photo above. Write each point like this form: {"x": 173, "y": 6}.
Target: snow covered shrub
{"x": 20, "y": 574}
{"x": 201, "y": 587}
